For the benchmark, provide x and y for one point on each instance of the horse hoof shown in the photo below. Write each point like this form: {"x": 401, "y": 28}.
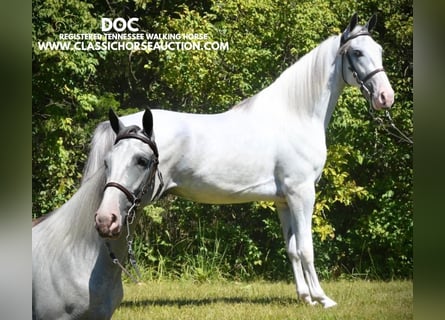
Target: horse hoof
{"x": 308, "y": 300}
{"x": 328, "y": 303}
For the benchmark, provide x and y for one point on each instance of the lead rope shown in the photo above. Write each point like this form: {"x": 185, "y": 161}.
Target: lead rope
{"x": 401, "y": 136}
{"x": 129, "y": 220}
{"x": 116, "y": 261}
{"x": 129, "y": 238}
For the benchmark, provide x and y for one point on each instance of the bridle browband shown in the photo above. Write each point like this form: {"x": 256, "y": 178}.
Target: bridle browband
{"x": 366, "y": 90}
{"x": 130, "y": 134}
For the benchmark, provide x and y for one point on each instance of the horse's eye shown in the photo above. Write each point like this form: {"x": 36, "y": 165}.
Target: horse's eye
{"x": 358, "y": 53}
{"x": 143, "y": 162}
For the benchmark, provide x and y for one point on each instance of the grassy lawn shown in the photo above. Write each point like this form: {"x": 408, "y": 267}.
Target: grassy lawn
{"x": 356, "y": 299}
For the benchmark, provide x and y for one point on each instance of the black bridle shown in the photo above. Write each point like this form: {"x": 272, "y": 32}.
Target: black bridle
{"x": 133, "y": 197}
{"x": 366, "y": 90}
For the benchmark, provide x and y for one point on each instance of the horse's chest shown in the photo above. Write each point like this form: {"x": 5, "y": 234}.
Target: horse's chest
{"x": 304, "y": 153}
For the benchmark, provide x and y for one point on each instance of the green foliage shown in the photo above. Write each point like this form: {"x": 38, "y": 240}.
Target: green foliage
{"x": 362, "y": 220}
{"x": 64, "y": 100}
{"x": 201, "y": 241}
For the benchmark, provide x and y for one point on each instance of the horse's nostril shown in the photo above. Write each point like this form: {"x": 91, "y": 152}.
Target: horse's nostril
{"x": 97, "y": 219}
{"x": 383, "y": 98}
{"x": 113, "y": 218}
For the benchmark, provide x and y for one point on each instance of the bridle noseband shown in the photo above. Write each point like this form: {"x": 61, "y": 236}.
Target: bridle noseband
{"x": 366, "y": 90}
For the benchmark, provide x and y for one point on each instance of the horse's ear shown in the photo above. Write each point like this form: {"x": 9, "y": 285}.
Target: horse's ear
{"x": 147, "y": 122}
{"x": 353, "y": 22}
{"x": 371, "y": 23}
{"x": 116, "y": 124}
{"x": 349, "y": 28}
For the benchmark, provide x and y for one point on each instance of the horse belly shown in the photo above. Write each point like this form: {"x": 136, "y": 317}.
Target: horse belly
{"x": 215, "y": 195}
{"x": 227, "y": 181}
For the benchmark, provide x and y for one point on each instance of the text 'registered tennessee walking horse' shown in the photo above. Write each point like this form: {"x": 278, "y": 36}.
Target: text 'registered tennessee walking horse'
{"x": 75, "y": 272}
{"x": 269, "y": 147}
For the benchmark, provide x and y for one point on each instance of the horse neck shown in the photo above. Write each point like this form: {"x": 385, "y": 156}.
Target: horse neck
{"x": 311, "y": 87}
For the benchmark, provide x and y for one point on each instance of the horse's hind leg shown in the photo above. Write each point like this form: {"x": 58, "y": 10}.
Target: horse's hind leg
{"x": 296, "y": 221}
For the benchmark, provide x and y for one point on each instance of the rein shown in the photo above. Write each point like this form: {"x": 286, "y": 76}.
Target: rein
{"x": 367, "y": 91}
{"x": 397, "y": 132}
{"x": 135, "y": 200}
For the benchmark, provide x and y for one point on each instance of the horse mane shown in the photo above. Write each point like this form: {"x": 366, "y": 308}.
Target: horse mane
{"x": 103, "y": 139}
{"x": 245, "y": 103}
{"x": 73, "y": 225}
{"x": 40, "y": 219}
{"x": 304, "y": 83}
{"x": 301, "y": 85}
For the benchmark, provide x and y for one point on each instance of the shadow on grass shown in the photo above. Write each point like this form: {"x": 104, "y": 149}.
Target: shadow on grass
{"x": 206, "y": 301}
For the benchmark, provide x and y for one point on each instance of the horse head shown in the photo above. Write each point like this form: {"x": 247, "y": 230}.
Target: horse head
{"x": 130, "y": 170}
{"x": 362, "y": 63}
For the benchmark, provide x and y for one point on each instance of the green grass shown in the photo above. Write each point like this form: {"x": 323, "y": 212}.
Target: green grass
{"x": 176, "y": 299}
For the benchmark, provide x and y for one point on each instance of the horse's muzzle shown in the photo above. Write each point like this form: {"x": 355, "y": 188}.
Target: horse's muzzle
{"x": 383, "y": 98}
{"x": 107, "y": 226}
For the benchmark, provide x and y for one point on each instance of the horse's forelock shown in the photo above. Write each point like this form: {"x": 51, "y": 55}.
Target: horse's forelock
{"x": 101, "y": 143}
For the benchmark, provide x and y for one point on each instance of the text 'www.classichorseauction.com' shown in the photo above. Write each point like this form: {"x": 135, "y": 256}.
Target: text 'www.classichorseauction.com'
{"x": 132, "y": 42}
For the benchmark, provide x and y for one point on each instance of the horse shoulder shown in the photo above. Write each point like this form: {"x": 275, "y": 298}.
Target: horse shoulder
{"x": 301, "y": 154}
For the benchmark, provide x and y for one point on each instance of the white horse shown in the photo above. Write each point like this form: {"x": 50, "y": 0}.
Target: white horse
{"x": 268, "y": 147}
{"x": 75, "y": 273}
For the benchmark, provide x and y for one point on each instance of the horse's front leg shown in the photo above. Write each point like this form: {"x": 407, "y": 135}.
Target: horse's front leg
{"x": 296, "y": 221}
{"x": 287, "y": 225}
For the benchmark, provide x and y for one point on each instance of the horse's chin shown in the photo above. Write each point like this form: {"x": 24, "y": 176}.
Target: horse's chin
{"x": 111, "y": 237}
{"x": 378, "y": 106}
{"x": 108, "y": 234}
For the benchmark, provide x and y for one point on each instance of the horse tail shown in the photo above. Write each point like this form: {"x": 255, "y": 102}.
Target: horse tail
{"x": 101, "y": 143}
